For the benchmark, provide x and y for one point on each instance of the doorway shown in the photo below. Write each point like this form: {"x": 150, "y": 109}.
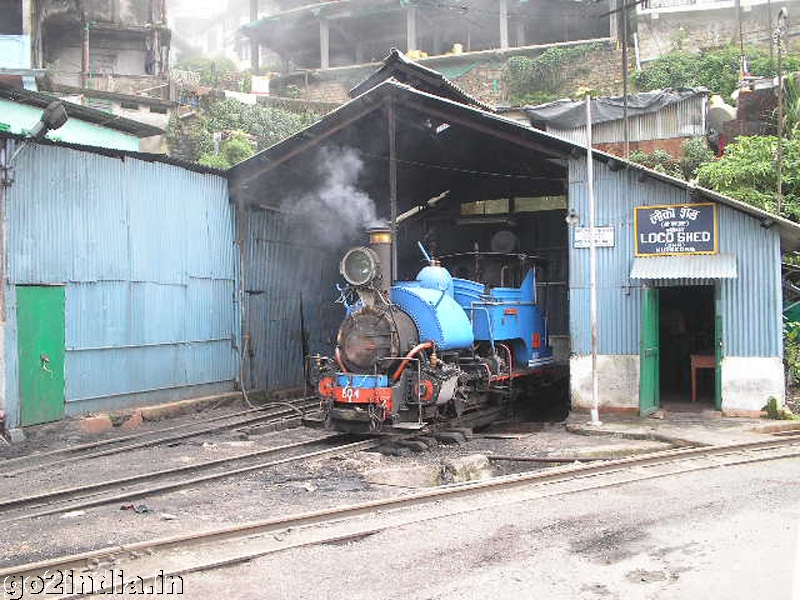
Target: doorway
{"x": 686, "y": 332}
{"x": 41, "y": 349}
{"x": 679, "y": 354}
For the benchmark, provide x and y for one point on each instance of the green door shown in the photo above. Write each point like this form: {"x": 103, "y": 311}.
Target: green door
{"x": 649, "y": 379}
{"x": 40, "y": 348}
{"x": 718, "y": 351}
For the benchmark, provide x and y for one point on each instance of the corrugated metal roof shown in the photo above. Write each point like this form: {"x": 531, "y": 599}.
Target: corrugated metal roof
{"x": 710, "y": 266}
{"x": 349, "y": 115}
{"x": 85, "y": 113}
{"x": 396, "y": 65}
{"x": 121, "y": 154}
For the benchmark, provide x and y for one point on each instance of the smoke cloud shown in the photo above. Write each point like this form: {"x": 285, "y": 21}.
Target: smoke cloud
{"x": 337, "y": 212}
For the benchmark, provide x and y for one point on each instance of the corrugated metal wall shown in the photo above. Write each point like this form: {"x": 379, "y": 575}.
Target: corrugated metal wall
{"x": 682, "y": 119}
{"x": 285, "y": 267}
{"x": 750, "y": 304}
{"x": 146, "y": 253}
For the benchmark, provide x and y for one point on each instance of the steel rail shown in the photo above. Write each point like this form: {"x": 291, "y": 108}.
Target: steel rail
{"x": 582, "y": 473}
{"x": 80, "y": 492}
{"x": 276, "y": 415}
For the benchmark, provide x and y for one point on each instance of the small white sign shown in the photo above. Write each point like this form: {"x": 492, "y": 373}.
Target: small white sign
{"x": 603, "y": 237}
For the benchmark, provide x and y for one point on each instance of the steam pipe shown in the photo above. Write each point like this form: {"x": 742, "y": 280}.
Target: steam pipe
{"x": 381, "y": 241}
{"x": 413, "y": 352}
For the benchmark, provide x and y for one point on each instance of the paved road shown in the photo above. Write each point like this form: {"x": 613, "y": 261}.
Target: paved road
{"x": 729, "y": 533}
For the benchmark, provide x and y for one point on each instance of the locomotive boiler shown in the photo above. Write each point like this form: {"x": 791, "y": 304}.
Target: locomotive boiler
{"x": 434, "y": 351}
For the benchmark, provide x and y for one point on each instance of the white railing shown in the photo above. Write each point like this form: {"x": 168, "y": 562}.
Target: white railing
{"x": 649, "y": 5}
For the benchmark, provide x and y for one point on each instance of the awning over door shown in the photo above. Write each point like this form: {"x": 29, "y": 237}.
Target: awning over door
{"x": 710, "y": 266}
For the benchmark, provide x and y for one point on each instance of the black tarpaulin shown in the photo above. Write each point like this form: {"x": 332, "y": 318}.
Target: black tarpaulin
{"x": 567, "y": 114}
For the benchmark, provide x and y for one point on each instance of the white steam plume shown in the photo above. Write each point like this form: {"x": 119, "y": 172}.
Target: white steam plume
{"x": 337, "y": 212}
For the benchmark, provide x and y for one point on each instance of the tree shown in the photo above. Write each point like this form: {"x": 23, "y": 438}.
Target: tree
{"x": 212, "y": 71}
{"x": 231, "y": 152}
{"x": 747, "y": 172}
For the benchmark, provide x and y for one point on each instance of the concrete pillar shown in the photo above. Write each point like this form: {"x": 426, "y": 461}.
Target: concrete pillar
{"x": 613, "y": 21}
{"x": 503, "y": 23}
{"x": 254, "y": 45}
{"x": 27, "y": 17}
{"x": 520, "y": 33}
{"x": 411, "y": 28}
{"x": 324, "y": 45}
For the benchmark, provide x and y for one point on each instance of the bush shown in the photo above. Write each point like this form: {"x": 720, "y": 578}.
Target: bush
{"x": 231, "y": 152}
{"x": 658, "y": 160}
{"x": 717, "y": 69}
{"x": 268, "y": 125}
{"x": 694, "y": 152}
{"x": 542, "y": 78}
{"x": 747, "y": 172}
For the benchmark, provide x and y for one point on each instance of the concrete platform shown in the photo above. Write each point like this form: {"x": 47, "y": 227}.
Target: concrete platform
{"x": 696, "y": 428}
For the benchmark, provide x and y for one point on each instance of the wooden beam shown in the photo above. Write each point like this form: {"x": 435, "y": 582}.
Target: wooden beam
{"x": 487, "y": 129}
{"x": 392, "y": 122}
{"x": 302, "y": 147}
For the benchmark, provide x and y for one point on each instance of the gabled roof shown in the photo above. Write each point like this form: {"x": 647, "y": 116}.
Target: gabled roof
{"x": 355, "y": 116}
{"x": 83, "y": 113}
{"x": 397, "y": 66}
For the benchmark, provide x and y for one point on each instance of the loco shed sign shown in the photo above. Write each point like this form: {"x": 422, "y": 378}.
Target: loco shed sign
{"x": 676, "y": 229}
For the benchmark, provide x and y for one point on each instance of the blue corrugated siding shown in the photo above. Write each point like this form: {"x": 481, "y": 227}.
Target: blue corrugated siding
{"x": 283, "y": 265}
{"x": 146, "y": 252}
{"x": 750, "y": 311}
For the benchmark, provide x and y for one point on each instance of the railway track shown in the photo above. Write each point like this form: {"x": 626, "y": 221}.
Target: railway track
{"x": 181, "y": 555}
{"x": 166, "y": 480}
{"x": 273, "y": 413}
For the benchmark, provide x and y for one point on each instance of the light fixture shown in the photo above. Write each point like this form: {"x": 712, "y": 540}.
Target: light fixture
{"x": 572, "y": 218}
{"x": 53, "y": 117}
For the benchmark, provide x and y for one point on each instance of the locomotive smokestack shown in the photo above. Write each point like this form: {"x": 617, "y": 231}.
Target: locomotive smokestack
{"x": 380, "y": 240}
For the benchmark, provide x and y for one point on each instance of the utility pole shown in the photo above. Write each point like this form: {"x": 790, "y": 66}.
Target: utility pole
{"x": 625, "y": 77}
{"x": 595, "y": 410}
{"x": 779, "y": 32}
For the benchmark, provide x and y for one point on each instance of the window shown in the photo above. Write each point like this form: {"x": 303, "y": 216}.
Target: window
{"x": 10, "y": 17}
{"x": 540, "y": 203}
{"x": 158, "y": 109}
{"x": 129, "y": 105}
{"x": 485, "y": 207}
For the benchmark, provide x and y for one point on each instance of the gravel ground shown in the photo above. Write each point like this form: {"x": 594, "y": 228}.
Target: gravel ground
{"x": 729, "y": 533}
{"x": 289, "y": 488}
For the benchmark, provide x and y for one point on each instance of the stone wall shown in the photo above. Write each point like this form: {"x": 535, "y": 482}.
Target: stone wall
{"x": 480, "y": 77}
{"x": 659, "y": 31}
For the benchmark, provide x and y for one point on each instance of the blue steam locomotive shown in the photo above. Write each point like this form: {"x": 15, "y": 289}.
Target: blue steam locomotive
{"x": 438, "y": 350}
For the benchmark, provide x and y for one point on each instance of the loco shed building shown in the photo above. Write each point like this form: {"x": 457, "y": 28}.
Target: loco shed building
{"x": 689, "y": 285}
{"x": 133, "y": 279}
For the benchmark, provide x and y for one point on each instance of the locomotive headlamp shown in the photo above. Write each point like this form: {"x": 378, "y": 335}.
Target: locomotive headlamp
{"x": 360, "y": 266}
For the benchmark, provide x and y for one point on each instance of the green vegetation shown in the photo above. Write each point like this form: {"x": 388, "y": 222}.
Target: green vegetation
{"x": 541, "y": 79}
{"x": 267, "y": 125}
{"x": 747, "y": 172}
{"x": 232, "y": 151}
{"x": 717, "y": 69}
{"x": 193, "y": 140}
{"x": 211, "y": 71}
{"x": 775, "y": 411}
{"x": 791, "y": 352}
{"x": 694, "y": 153}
